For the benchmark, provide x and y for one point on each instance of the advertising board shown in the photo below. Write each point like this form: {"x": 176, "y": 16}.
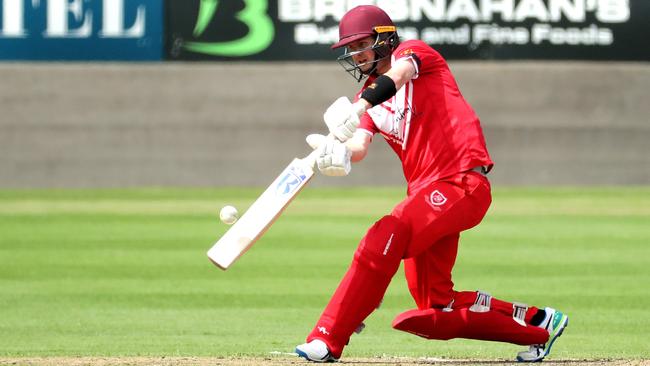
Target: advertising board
{"x": 81, "y": 29}
{"x": 459, "y": 29}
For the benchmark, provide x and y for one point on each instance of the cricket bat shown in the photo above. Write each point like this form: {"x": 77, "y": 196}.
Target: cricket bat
{"x": 263, "y": 212}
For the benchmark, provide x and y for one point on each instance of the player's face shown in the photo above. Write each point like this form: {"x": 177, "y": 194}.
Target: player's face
{"x": 364, "y": 58}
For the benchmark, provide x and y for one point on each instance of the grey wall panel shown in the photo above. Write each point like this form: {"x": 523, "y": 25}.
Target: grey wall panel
{"x": 213, "y": 124}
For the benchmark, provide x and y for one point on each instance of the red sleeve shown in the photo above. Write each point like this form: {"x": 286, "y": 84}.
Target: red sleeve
{"x": 366, "y": 122}
{"x": 424, "y": 58}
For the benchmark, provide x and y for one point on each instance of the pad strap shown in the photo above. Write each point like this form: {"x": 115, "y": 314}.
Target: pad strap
{"x": 449, "y": 307}
{"x": 382, "y": 89}
{"x": 482, "y": 303}
{"x": 519, "y": 312}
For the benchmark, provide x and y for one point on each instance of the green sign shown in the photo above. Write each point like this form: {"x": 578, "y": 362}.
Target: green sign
{"x": 254, "y": 16}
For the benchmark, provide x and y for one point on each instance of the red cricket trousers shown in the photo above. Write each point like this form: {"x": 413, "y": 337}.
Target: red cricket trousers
{"x": 423, "y": 230}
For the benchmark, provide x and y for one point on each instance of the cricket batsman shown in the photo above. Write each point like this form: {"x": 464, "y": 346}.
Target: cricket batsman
{"x": 411, "y": 98}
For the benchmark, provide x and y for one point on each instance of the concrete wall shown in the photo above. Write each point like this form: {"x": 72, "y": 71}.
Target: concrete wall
{"x": 208, "y": 124}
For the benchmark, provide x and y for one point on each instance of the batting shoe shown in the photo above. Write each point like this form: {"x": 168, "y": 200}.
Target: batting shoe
{"x": 315, "y": 351}
{"x": 554, "y": 323}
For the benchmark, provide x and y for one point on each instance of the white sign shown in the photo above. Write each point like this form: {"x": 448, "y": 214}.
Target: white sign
{"x": 605, "y": 11}
{"x": 61, "y": 13}
{"x": 587, "y": 20}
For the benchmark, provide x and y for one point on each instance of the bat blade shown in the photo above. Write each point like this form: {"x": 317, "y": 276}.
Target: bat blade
{"x": 261, "y": 214}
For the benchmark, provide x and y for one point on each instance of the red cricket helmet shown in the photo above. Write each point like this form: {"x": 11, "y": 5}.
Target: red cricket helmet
{"x": 361, "y": 22}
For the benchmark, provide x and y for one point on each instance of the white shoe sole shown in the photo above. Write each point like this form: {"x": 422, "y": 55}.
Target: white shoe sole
{"x": 547, "y": 351}
{"x": 327, "y": 358}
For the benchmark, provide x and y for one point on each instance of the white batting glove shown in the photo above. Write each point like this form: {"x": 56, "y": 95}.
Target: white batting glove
{"x": 333, "y": 157}
{"x": 342, "y": 118}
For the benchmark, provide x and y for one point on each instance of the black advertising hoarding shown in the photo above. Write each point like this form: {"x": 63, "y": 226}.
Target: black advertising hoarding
{"x": 293, "y": 30}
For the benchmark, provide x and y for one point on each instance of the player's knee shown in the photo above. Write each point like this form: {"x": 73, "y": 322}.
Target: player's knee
{"x": 384, "y": 245}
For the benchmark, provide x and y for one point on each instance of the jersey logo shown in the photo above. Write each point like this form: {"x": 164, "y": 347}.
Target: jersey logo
{"x": 405, "y": 52}
{"x": 437, "y": 198}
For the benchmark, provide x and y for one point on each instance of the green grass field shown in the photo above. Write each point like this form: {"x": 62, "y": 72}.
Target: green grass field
{"x": 124, "y": 272}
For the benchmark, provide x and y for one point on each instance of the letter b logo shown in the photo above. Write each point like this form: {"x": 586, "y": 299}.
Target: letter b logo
{"x": 254, "y": 16}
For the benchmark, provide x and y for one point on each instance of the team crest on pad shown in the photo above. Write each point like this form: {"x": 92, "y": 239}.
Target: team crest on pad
{"x": 437, "y": 198}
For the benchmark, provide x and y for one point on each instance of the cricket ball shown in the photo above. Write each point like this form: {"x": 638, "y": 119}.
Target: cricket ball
{"x": 228, "y": 215}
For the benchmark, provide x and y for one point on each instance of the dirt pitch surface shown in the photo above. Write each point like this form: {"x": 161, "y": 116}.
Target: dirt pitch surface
{"x": 284, "y": 360}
